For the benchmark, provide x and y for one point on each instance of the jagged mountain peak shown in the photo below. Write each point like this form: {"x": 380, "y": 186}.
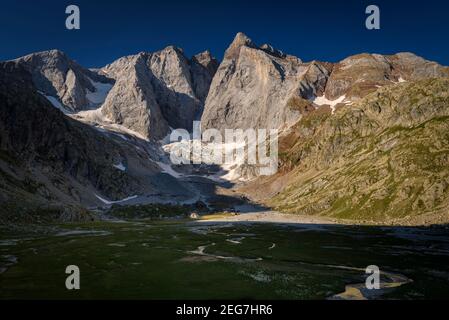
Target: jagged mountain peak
{"x": 205, "y": 53}
{"x": 203, "y": 56}
{"x": 155, "y": 91}
{"x": 69, "y": 86}
{"x": 48, "y": 59}
{"x": 207, "y": 60}
{"x": 252, "y": 87}
{"x": 273, "y": 51}
{"x": 52, "y": 53}
{"x": 239, "y": 41}
{"x": 173, "y": 48}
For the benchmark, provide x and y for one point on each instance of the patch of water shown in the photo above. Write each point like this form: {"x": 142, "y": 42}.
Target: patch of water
{"x": 121, "y": 245}
{"x": 7, "y": 261}
{"x": 200, "y": 252}
{"x": 83, "y": 233}
{"x": 236, "y": 240}
{"x": 10, "y": 242}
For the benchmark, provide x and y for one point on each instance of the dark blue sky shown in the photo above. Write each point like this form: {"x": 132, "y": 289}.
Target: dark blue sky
{"x": 312, "y": 29}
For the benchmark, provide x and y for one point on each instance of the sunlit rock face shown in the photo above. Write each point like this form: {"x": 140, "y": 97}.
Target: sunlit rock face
{"x": 262, "y": 87}
{"x": 252, "y": 87}
{"x": 155, "y": 91}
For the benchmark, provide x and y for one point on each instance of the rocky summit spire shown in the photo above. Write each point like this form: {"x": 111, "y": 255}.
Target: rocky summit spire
{"x": 208, "y": 61}
{"x": 240, "y": 40}
{"x": 69, "y": 85}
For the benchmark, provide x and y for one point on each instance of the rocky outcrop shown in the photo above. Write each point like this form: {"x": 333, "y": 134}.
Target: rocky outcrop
{"x": 203, "y": 68}
{"x": 132, "y": 102}
{"x": 58, "y": 77}
{"x": 253, "y": 85}
{"x": 155, "y": 91}
{"x": 359, "y": 75}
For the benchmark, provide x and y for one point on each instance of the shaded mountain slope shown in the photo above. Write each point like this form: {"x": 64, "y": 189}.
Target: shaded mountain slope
{"x": 50, "y": 162}
{"x": 64, "y": 81}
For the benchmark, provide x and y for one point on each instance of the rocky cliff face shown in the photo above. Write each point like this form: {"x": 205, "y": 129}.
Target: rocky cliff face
{"x": 203, "y": 68}
{"x": 132, "y": 102}
{"x": 146, "y": 93}
{"x": 252, "y": 87}
{"x": 261, "y": 87}
{"x": 62, "y": 79}
{"x": 155, "y": 91}
{"x": 50, "y": 163}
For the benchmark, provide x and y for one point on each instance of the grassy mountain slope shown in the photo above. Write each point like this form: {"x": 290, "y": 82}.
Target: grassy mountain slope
{"x": 385, "y": 158}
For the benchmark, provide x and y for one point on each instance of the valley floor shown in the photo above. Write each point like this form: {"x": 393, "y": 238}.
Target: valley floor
{"x": 182, "y": 259}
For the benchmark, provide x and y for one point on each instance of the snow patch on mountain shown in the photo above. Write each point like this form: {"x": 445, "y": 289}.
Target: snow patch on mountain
{"x": 166, "y": 168}
{"x": 120, "y": 166}
{"x": 101, "y": 92}
{"x": 97, "y": 119}
{"x": 114, "y": 202}
{"x": 209, "y": 153}
{"x": 321, "y": 101}
{"x": 55, "y": 102}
